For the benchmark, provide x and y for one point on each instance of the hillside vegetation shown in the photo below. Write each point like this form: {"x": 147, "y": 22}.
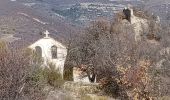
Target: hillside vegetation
{"x": 126, "y": 69}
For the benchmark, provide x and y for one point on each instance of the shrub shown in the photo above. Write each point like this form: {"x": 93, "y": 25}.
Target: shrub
{"x": 68, "y": 74}
{"x": 109, "y": 86}
{"x": 53, "y": 76}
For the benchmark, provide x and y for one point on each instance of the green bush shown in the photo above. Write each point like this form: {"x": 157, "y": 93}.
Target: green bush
{"x": 53, "y": 76}
{"x": 48, "y": 75}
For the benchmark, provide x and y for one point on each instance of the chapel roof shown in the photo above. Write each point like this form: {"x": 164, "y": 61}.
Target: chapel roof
{"x": 47, "y": 40}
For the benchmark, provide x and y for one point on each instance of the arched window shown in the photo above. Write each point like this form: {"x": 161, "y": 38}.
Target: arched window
{"x": 38, "y": 51}
{"x": 54, "y": 52}
{"x": 127, "y": 14}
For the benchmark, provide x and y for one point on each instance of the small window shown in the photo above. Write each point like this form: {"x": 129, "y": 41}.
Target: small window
{"x": 54, "y": 52}
{"x": 38, "y": 51}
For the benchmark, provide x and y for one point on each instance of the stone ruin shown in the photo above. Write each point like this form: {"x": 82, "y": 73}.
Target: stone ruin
{"x": 141, "y": 26}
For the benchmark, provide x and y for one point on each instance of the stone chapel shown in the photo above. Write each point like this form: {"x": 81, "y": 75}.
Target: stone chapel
{"x": 51, "y": 51}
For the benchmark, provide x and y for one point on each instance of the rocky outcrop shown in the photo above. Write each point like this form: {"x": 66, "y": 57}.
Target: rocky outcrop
{"x": 61, "y": 95}
{"x": 96, "y": 97}
{"x": 82, "y": 88}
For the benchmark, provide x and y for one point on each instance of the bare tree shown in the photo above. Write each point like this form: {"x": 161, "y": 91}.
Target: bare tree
{"x": 16, "y": 69}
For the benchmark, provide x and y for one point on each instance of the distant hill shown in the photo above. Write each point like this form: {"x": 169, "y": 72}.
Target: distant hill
{"x": 80, "y": 11}
{"x": 20, "y": 23}
{"x": 159, "y": 7}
